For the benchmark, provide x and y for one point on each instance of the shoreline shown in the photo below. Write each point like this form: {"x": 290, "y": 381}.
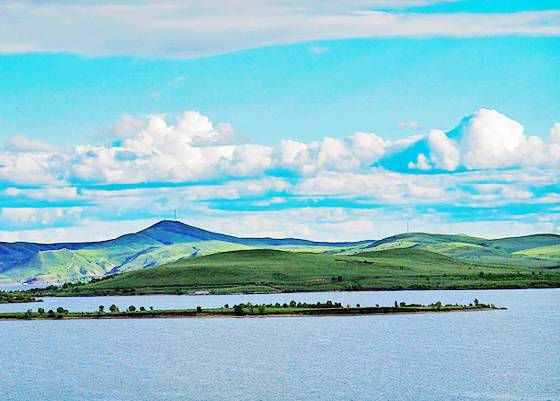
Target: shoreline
{"x": 459, "y": 288}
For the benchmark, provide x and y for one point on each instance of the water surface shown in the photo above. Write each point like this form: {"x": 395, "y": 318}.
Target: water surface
{"x": 497, "y": 355}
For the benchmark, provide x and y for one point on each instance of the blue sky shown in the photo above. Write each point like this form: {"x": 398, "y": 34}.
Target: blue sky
{"x": 372, "y": 114}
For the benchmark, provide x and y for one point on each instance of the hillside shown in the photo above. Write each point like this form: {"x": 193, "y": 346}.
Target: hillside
{"x": 170, "y": 241}
{"x": 267, "y": 270}
{"x": 164, "y": 242}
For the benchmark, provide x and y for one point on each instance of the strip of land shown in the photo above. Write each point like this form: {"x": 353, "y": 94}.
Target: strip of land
{"x": 244, "y": 310}
{"x": 16, "y": 298}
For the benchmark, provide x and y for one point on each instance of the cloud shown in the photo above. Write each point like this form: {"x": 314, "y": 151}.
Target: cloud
{"x": 22, "y": 144}
{"x": 44, "y": 194}
{"x": 32, "y": 168}
{"x": 411, "y": 125}
{"x": 486, "y": 139}
{"x": 487, "y": 168}
{"x": 443, "y": 151}
{"x": 170, "y": 28}
{"x": 189, "y": 148}
{"x": 421, "y": 163}
{"x": 555, "y": 143}
{"x": 318, "y": 50}
{"x": 43, "y": 216}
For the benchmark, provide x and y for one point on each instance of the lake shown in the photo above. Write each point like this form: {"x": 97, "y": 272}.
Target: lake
{"x": 496, "y": 355}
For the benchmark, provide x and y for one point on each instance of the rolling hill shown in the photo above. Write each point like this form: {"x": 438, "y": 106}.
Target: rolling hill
{"x": 270, "y": 270}
{"x": 171, "y": 256}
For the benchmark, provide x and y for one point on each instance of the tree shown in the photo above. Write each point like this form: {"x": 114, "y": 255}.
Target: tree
{"x": 396, "y": 304}
{"x": 476, "y": 301}
{"x": 132, "y": 308}
{"x": 41, "y": 311}
{"x": 28, "y": 314}
{"x": 50, "y": 313}
{"x": 60, "y": 309}
{"x": 142, "y": 309}
{"x": 238, "y": 309}
{"x": 226, "y": 306}
{"x": 198, "y": 309}
{"x": 101, "y": 308}
{"x": 113, "y": 308}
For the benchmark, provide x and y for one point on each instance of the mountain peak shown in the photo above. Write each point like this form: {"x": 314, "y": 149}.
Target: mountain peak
{"x": 165, "y": 224}
{"x": 172, "y": 231}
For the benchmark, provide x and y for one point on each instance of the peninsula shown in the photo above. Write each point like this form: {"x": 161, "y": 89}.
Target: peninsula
{"x": 247, "y": 310}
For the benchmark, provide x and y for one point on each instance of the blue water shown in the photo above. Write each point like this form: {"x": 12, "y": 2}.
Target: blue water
{"x": 497, "y": 355}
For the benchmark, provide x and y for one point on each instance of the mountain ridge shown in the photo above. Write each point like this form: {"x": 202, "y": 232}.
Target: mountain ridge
{"x": 169, "y": 240}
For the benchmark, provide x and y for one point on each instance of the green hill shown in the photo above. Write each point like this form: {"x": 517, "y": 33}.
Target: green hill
{"x": 266, "y": 270}
{"x": 170, "y": 244}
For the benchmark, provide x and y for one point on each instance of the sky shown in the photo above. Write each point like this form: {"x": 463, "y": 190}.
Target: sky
{"x": 338, "y": 120}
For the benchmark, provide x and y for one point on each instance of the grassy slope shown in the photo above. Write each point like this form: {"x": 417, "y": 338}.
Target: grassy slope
{"x": 515, "y": 251}
{"x": 275, "y": 271}
{"x": 142, "y": 250}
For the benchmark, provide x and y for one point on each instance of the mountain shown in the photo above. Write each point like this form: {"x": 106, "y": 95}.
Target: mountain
{"x": 170, "y": 241}
{"x": 163, "y": 242}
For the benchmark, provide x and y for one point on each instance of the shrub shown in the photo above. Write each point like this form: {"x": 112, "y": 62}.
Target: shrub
{"x": 238, "y": 309}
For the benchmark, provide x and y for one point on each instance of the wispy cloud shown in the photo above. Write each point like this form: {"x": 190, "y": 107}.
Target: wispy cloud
{"x": 187, "y": 29}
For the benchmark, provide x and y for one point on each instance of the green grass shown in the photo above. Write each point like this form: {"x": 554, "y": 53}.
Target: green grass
{"x": 451, "y": 261}
{"x": 546, "y": 252}
{"x": 268, "y": 271}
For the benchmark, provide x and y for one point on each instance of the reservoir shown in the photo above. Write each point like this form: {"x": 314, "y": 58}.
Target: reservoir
{"x": 496, "y": 355}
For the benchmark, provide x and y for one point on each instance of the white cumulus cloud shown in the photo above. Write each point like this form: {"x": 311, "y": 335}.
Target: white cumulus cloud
{"x": 488, "y": 140}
